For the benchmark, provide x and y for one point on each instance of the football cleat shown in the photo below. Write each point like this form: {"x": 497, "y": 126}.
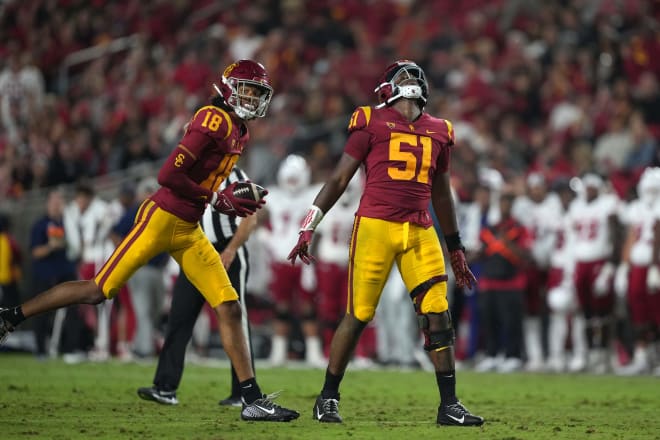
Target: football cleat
{"x": 457, "y": 415}
{"x": 265, "y": 410}
{"x": 327, "y": 410}
{"x": 231, "y": 401}
{"x": 156, "y": 395}
{"x": 5, "y": 327}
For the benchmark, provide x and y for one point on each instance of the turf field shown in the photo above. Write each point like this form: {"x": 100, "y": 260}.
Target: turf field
{"x": 52, "y": 400}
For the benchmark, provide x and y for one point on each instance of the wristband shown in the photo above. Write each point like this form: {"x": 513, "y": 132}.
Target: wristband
{"x": 454, "y": 242}
{"x": 312, "y": 219}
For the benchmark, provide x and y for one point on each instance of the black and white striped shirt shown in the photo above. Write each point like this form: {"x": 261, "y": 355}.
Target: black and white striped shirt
{"x": 220, "y": 228}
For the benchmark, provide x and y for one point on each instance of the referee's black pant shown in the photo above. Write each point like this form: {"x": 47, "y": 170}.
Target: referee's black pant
{"x": 187, "y": 302}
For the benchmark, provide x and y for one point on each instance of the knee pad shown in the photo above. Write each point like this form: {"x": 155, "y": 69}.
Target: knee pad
{"x": 418, "y": 293}
{"x": 437, "y": 329}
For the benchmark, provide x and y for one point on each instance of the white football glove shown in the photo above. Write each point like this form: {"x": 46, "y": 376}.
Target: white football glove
{"x": 653, "y": 279}
{"x": 603, "y": 281}
{"x": 621, "y": 280}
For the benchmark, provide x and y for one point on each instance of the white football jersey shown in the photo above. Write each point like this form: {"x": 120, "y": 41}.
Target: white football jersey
{"x": 589, "y": 223}
{"x": 286, "y": 212}
{"x": 334, "y": 233}
{"x": 641, "y": 218}
{"x": 562, "y": 255}
{"x": 540, "y": 219}
{"x": 87, "y": 231}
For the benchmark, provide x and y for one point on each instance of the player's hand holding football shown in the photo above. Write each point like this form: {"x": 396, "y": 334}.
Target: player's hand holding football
{"x": 464, "y": 276}
{"x": 228, "y": 202}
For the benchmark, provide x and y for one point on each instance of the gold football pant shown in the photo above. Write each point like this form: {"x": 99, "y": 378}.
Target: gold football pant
{"x": 156, "y": 231}
{"x": 375, "y": 245}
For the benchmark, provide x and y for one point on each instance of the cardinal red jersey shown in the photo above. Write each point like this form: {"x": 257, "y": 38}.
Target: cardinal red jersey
{"x": 401, "y": 159}
{"x": 212, "y": 144}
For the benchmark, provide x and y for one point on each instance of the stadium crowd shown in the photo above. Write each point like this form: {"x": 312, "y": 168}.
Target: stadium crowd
{"x": 539, "y": 92}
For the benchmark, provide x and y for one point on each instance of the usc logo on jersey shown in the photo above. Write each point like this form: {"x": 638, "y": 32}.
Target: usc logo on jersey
{"x": 178, "y": 161}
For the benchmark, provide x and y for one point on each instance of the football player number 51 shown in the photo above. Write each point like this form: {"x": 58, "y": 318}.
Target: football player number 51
{"x": 410, "y": 158}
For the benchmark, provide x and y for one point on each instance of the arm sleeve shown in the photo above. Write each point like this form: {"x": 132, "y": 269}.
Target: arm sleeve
{"x": 174, "y": 173}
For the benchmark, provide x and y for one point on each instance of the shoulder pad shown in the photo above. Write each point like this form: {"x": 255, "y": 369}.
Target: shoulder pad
{"x": 213, "y": 121}
{"x": 360, "y": 118}
{"x": 450, "y": 131}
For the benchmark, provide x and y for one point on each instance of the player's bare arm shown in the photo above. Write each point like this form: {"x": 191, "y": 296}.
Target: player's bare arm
{"x": 336, "y": 184}
{"x": 443, "y": 203}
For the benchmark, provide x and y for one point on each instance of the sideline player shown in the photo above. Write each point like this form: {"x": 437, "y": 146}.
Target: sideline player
{"x": 405, "y": 152}
{"x": 169, "y": 222}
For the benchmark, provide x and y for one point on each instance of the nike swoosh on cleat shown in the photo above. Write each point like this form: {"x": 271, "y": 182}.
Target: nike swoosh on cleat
{"x": 318, "y": 413}
{"x": 267, "y": 411}
{"x": 461, "y": 420}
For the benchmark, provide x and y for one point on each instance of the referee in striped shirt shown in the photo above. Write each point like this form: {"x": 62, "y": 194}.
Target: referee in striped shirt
{"x": 228, "y": 235}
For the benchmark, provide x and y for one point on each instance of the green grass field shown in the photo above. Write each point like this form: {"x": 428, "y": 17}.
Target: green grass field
{"x": 52, "y": 400}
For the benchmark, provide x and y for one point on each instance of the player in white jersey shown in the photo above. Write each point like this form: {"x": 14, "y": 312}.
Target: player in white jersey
{"x": 537, "y": 211}
{"x": 331, "y": 248}
{"x": 595, "y": 240}
{"x": 640, "y": 218}
{"x": 291, "y": 289}
{"x": 561, "y": 299}
{"x": 87, "y": 226}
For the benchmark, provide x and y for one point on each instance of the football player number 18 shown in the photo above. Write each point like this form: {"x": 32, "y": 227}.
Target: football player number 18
{"x": 212, "y": 121}
{"x": 410, "y": 158}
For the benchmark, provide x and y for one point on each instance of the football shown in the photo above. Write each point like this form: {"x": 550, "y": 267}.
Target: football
{"x": 249, "y": 190}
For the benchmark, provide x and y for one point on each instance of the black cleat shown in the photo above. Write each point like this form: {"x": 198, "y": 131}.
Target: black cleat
{"x": 457, "y": 415}
{"x": 327, "y": 410}
{"x": 160, "y": 396}
{"x": 265, "y": 410}
{"x": 231, "y": 401}
{"x": 5, "y": 327}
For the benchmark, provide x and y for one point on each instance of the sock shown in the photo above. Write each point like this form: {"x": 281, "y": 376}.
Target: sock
{"x": 331, "y": 385}
{"x": 250, "y": 391}
{"x": 447, "y": 386}
{"x": 14, "y": 315}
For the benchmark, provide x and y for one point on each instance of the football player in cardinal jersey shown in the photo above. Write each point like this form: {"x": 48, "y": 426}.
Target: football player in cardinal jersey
{"x": 630, "y": 282}
{"x": 290, "y": 286}
{"x": 405, "y": 153}
{"x": 595, "y": 239}
{"x": 168, "y": 221}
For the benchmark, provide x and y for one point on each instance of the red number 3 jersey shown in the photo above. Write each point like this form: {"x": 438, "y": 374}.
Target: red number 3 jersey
{"x": 401, "y": 159}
